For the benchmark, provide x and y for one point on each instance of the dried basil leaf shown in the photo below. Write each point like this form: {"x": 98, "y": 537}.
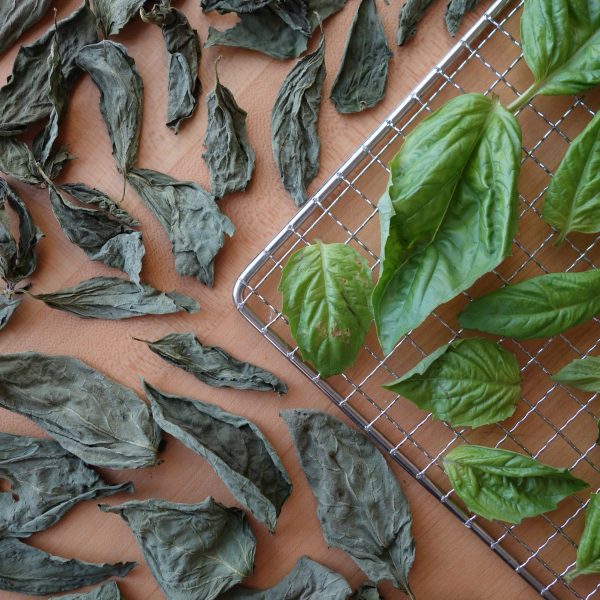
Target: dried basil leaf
{"x": 361, "y": 80}
{"x": 193, "y": 550}
{"x": 233, "y": 446}
{"x": 25, "y": 98}
{"x": 229, "y": 155}
{"x": 455, "y": 11}
{"x": 214, "y": 366}
{"x": 294, "y": 133}
{"x": 190, "y": 217}
{"x": 360, "y": 504}
{"x": 17, "y": 17}
{"x": 183, "y": 47}
{"x": 308, "y": 580}
{"x": 121, "y": 90}
{"x": 236, "y": 6}
{"x": 17, "y": 161}
{"x": 411, "y": 13}
{"x": 107, "y": 591}
{"x": 7, "y": 308}
{"x": 47, "y": 481}
{"x": 113, "y": 299}
{"x": 295, "y": 14}
{"x": 31, "y": 571}
{"x": 367, "y": 591}
{"x": 93, "y": 417}
{"x": 113, "y": 15}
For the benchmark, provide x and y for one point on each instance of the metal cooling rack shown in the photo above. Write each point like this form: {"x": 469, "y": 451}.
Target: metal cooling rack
{"x": 553, "y": 423}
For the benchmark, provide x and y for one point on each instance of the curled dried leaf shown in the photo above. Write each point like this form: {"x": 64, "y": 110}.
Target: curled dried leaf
{"x": 113, "y": 15}
{"x": 17, "y": 17}
{"x": 411, "y": 13}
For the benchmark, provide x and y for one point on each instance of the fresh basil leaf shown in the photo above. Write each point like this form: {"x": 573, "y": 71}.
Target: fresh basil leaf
{"x": 106, "y": 591}
{"x": 17, "y": 161}
{"x": 233, "y": 446}
{"x": 113, "y": 15}
{"x": 573, "y": 198}
{"x": 214, "y": 546}
{"x": 47, "y": 481}
{"x": 411, "y": 13}
{"x": 93, "y": 417}
{"x": 326, "y": 291}
{"x": 213, "y": 365}
{"x": 584, "y": 374}
{"x": 308, "y": 580}
{"x": 536, "y": 308}
{"x": 471, "y": 382}
{"x": 451, "y": 223}
{"x": 504, "y": 485}
{"x": 361, "y": 80}
{"x": 455, "y": 11}
{"x": 121, "y": 90}
{"x": 588, "y": 551}
{"x": 371, "y": 523}
{"x": 113, "y": 299}
{"x": 25, "y": 98}
{"x": 17, "y": 17}
{"x": 236, "y": 6}
{"x": 7, "y": 309}
{"x": 229, "y": 155}
{"x": 183, "y": 47}
{"x": 294, "y": 133}
{"x": 31, "y": 571}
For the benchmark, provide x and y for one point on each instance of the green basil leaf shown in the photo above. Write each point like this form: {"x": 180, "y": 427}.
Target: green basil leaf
{"x": 183, "y": 48}
{"x": 536, "y": 308}
{"x": 308, "y": 580}
{"x": 214, "y": 550}
{"x": 367, "y": 591}
{"x": 121, "y": 91}
{"x": 560, "y": 41}
{"x": 7, "y": 308}
{"x": 113, "y": 299}
{"x": 504, "y": 485}
{"x": 371, "y": 523}
{"x": 326, "y": 292}
{"x": 47, "y": 481}
{"x": 588, "y": 551}
{"x": 233, "y": 446}
{"x": 584, "y": 374}
{"x": 573, "y": 198}
{"x": 191, "y": 218}
{"x": 17, "y": 17}
{"x": 236, "y": 6}
{"x": 294, "y": 133}
{"x": 213, "y": 365}
{"x": 361, "y": 80}
{"x": 451, "y": 223}
{"x": 17, "y": 161}
{"x": 455, "y": 11}
{"x": 411, "y": 13}
{"x": 229, "y": 156}
{"x": 113, "y": 15}
{"x": 31, "y": 571}
{"x": 471, "y": 382}
{"x": 107, "y": 591}
{"x": 25, "y": 98}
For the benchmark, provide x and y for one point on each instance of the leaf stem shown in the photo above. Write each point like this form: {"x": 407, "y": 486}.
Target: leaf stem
{"x": 524, "y": 98}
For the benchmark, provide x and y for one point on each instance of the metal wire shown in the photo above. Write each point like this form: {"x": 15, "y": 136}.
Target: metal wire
{"x": 552, "y": 422}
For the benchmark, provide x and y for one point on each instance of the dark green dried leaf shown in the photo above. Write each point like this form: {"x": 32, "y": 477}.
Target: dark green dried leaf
{"x": 25, "y": 98}
{"x": 47, "y": 481}
{"x": 113, "y": 15}
{"x": 455, "y": 11}
{"x": 294, "y": 132}
{"x": 213, "y": 365}
{"x": 113, "y": 299}
{"x": 214, "y": 546}
{"x": 360, "y": 504}
{"x": 236, "y": 6}
{"x": 17, "y": 16}
{"x": 308, "y": 581}
{"x": 107, "y": 591}
{"x": 191, "y": 218}
{"x": 295, "y": 14}
{"x": 17, "y": 161}
{"x": 183, "y": 47}
{"x": 121, "y": 90}
{"x": 7, "y": 308}
{"x": 361, "y": 80}
{"x": 95, "y": 418}
{"x": 31, "y": 571}
{"x": 367, "y": 591}
{"x": 233, "y": 446}
{"x": 229, "y": 155}
{"x": 411, "y": 13}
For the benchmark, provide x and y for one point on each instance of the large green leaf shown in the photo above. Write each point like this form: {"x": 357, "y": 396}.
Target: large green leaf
{"x": 588, "y": 551}
{"x": 583, "y": 374}
{"x": 449, "y": 214}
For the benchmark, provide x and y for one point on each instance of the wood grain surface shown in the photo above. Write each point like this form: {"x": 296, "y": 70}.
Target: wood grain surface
{"x": 451, "y": 564}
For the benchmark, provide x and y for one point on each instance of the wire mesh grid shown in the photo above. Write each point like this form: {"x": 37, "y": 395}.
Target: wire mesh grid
{"x": 552, "y": 422}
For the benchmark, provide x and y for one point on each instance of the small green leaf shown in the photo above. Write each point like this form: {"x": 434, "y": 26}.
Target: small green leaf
{"x": 588, "y": 551}
{"x": 583, "y": 374}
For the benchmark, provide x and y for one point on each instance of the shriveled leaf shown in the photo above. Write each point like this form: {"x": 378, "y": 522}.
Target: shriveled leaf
{"x": 295, "y": 14}
{"x": 588, "y": 551}
{"x": 95, "y": 418}
{"x": 47, "y": 481}
{"x": 504, "y": 485}
{"x": 113, "y": 15}
{"x": 471, "y": 382}
{"x": 455, "y": 11}
{"x": 183, "y": 47}
{"x": 584, "y": 374}
{"x": 294, "y": 133}
{"x": 233, "y": 446}
{"x": 7, "y": 308}
{"x": 411, "y": 13}
{"x": 121, "y": 91}
{"x": 17, "y": 161}
{"x": 536, "y": 308}
{"x": 27, "y": 570}
{"x": 236, "y": 6}
{"x": 361, "y": 80}
{"x": 360, "y": 504}
{"x": 25, "y": 98}
{"x": 191, "y": 218}
{"x": 107, "y": 591}
{"x": 113, "y": 299}
{"x": 193, "y": 550}
{"x": 229, "y": 155}
{"x": 367, "y": 591}
{"x": 17, "y": 16}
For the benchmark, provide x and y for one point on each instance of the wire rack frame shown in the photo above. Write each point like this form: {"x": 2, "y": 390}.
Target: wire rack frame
{"x": 541, "y": 550}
